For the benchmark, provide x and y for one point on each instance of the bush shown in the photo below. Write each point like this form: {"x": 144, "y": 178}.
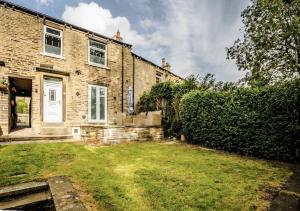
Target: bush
{"x": 22, "y": 107}
{"x": 166, "y": 96}
{"x": 255, "y": 122}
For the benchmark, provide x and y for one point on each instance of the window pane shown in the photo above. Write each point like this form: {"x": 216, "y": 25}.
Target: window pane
{"x": 97, "y": 56}
{"x": 52, "y": 44}
{"x": 52, "y": 31}
{"x": 97, "y": 44}
{"x": 52, "y": 95}
{"x": 93, "y": 103}
{"x": 102, "y": 108}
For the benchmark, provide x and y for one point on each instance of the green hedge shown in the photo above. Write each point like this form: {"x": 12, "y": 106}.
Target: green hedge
{"x": 256, "y": 122}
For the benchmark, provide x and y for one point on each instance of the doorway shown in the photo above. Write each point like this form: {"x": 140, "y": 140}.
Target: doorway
{"x": 20, "y": 103}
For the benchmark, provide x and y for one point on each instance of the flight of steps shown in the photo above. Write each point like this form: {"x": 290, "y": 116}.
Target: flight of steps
{"x": 26, "y": 196}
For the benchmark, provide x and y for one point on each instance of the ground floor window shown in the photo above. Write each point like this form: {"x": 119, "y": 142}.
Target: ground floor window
{"x": 97, "y": 103}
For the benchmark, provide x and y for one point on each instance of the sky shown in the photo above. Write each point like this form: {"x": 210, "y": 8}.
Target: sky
{"x": 191, "y": 34}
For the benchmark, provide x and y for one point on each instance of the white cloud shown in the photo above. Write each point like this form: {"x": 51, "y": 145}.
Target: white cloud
{"x": 192, "y": 35}
{"x": 146, "y": 24}
{"x": 44, "y": 2}
{"x": 98, "y": 19}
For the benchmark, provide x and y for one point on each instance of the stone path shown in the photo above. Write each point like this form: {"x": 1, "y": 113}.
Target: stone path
{"x": 288, "y": 199}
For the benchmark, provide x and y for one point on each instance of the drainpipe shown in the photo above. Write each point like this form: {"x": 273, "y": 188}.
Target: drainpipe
{"x": 133, "y": 74}
{"x": 122, "y": 79}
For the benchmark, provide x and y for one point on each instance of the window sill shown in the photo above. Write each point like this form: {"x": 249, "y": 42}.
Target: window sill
{"x": 97, "y": 122}
{"x": 52, "y": 55}
{"x": 99, "y": 65}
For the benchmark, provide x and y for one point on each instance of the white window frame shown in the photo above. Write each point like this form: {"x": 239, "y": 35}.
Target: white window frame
{"x": 93, "y": 63}
{"x": 61, "y": 38}
{"x": 97, "y": 120}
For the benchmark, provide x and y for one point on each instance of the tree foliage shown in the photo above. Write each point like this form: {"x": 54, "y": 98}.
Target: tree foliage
{"x": 166, "y": 96}
{"x": 270, "y": 49}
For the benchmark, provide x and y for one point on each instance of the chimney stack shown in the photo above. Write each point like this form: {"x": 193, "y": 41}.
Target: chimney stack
{"x": 118, "y": 36}
{"x": 165, "y": 64}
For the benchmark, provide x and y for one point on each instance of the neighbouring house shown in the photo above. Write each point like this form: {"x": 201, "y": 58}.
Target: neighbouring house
{"x": 72, "y": 77}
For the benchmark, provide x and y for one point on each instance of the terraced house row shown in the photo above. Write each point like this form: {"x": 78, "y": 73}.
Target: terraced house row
{"x": 69, "y": 76}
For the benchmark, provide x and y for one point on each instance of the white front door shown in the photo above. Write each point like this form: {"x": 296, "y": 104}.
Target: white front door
{"x": 52, "y": 100}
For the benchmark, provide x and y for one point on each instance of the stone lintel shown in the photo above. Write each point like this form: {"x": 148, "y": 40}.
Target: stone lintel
{"x": 53, "y": 71}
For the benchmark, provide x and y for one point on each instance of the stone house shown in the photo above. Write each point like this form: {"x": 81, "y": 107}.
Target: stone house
{"x": 73, "y": 76}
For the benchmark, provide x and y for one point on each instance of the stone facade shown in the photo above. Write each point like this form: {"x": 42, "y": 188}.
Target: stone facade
{"x": 21, "y": 50}
{"x": 116, "y": 135}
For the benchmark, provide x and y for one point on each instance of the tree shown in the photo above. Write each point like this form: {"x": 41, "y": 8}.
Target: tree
{"x": 270, "y": 49}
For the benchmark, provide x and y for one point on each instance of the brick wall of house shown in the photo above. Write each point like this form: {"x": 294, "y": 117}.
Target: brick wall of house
{"x": 21, "y": 47}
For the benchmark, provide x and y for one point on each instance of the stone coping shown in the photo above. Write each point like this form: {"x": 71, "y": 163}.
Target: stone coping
{"x": 64, "y": 195}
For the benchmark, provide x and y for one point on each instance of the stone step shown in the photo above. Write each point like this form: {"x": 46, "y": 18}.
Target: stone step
{"x": 26, "y": 200}
{"x": 23, "y": 188}
{"x": 35, "y": 138}
{"x": 54, "y": 130}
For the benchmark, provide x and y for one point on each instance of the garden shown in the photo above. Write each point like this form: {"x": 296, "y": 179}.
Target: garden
{"x": 149, "y": 175}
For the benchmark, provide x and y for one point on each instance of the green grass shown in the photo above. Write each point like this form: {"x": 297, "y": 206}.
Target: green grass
{"x": 149, "y": 176}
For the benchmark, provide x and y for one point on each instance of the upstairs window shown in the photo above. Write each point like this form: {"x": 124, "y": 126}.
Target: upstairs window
{"x": 53, "y": 41}
{"x": 97, "y": 53}
{"x": 158, "y": 77}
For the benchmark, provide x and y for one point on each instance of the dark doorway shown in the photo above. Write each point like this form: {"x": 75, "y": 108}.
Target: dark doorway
{"x": 20, "y": 103}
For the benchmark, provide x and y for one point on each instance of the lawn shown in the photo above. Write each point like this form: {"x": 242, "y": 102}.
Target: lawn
{"x": 148, "y": 176}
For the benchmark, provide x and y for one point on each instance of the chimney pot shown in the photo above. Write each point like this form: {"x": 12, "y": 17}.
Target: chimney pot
{"x": 118, "y": 36}
{"x": 163, "y": 62}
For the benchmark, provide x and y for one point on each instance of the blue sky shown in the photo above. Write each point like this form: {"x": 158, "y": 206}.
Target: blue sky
{"x": 190, "y": 34}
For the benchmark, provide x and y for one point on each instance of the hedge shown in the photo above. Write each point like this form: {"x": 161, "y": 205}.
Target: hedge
{"x": 256, "y": 122}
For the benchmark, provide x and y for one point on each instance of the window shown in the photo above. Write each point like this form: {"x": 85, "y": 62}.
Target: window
{"x": 52, "y": 41}
{"x": 97, "y": 103}
{"x": 97, "y": 53}
{"x": 52, "y": 95}
{"x": 158, "y": 77}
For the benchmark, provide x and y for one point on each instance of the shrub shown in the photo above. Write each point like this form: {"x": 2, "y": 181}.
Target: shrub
{"x": 166, "y": 96}
{"x": 256, "y": 122}
{"x": 22, "y": 107}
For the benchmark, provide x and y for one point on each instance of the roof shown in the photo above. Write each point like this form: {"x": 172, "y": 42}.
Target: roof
{"x": 145, "y": 60}
{"x": 55, "y": 20}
